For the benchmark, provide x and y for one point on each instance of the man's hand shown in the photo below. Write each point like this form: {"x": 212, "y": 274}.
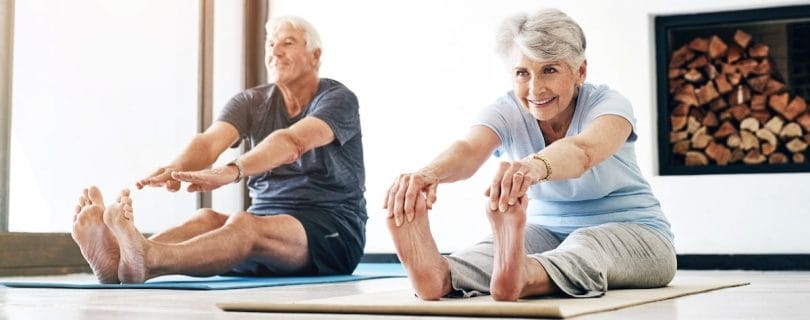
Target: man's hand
{"x": 401, "y": 198}
{"x": 160, "y": 178}
{"x": 207, "y": 179}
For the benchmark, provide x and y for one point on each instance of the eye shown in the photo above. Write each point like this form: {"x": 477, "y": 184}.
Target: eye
{"x": 549, "y": 70}
{"x": 521, "y": 73}
{"x": 270, "y": 44}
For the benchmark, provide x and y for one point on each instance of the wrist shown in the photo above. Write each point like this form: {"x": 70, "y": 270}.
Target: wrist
{"x": 545, "y": 165}
{"x": 240, "y": 171}
{"x": 429, "y": 174}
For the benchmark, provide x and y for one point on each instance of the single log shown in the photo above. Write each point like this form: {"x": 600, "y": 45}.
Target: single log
{"x": 734, "y": 78}
{"x": 726, "y": 129}
{"x": 779, "y": 102}
{"x": 699, "y": 44}
{"x": 791, "y": 130}
{"x": 796, "y": 107}
{"x": 717, "y": 47}
{"x": 701, "y": 139}
{"x": 774, "y": 87}
{"x": 707, "y": 93}
{"x": 742, "y": 38}
{"x": 710, "y": 120}
{"x": 677, "y": 122}
{"x": 721, "y": 82}
{"x": 681, "y": 110}
{"x": 759, "y": 102}
{"x": 759, "y": 50}
{"x": 737, "y": 155}
{"x": 675, "y": 72}
{"x": 734, "y": 141}
{"x": 692, "y": 125}
{"x": 700, "y": 62}
{"x": 798, "y": 158}
{"x": 778, "y": 158}
{"x": 686, "y": 95}
{"x": 746, "y": 66}
{"x": 678, "y": 136}
{"x": 734, "y": 53}
{"x": 767, "y": 148}
{"x": 675, "y": 85}
{"x": 762, "y": 115}
{"x": 768, "y": 136}
{"x": 804, "y": 121}
{"x": 681, "y": 56}
{"x": 749, "y": 140}
{"x": 775, "y": 124}
{"x": 763, "y": 67}
{"x": 681, "y": 147}
{"x": 739, "y": 111}
{"x": 749, "y": 124}
{"x": 695, "y": 76}
{"x": 760, "y": 83}
{"x": 696, "y": 158}
{"x": 796, "y": 145}
{"x": 719, "y": 153}
{"x": 718, "y": 104}
{"x": 711, "y": 71}
{"x": 754, "y": 157}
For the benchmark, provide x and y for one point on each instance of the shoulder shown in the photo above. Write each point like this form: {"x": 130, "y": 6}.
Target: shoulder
{"x": 333, "y": 88}
{"x": 599, "y": 95}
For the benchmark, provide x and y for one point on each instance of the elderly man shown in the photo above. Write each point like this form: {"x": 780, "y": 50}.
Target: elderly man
{"x": 306, "y": 180}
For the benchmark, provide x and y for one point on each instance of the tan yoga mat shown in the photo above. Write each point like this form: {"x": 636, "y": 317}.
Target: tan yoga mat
{"x": 405, "y": 303}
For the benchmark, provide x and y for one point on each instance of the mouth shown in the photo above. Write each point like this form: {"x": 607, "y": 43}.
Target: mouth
{"x": 540, "y": 102}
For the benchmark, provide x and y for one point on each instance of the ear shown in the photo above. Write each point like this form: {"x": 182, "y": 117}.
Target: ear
{"x": 583, "y": 71}
{"x": 316, "y": 54}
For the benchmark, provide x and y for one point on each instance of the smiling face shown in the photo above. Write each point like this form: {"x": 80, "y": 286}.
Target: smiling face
{"x": 545, "y": 88}
{"x": 287, "y": 58}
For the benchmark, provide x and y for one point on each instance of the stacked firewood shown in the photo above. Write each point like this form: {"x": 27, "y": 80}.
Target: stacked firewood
{"x": 731, "y": 107}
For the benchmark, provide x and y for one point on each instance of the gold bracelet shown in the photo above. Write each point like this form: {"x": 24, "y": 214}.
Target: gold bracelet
{"x": 548, "y": 166}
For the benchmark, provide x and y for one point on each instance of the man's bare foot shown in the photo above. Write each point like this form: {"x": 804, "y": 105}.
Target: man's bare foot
{"x": 119, "y": 218}
{"x": 416, "y": 249}
{"x": 509, "y": 274}
{"x": 97, "y": 244}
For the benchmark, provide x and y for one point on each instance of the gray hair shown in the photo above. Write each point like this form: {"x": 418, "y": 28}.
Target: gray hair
{"x": 310, "y": 34}
{"x": 548, "y": 34}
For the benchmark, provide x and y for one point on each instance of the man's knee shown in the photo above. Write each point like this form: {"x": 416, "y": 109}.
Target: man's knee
{"x": 209, "y": 217}
{"x": 240, "y": 219}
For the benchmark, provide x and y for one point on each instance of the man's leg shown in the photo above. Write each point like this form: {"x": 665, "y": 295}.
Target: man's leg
{"x": 98, "y": 245}
{"x": 203, "y": 221}
{"x": 514, "y": 274}
{"x": 427, "y": 269}
{"x": 278, "y": 241}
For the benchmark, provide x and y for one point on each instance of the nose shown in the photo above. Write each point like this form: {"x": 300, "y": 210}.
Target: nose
{"x": 535, "y": 86}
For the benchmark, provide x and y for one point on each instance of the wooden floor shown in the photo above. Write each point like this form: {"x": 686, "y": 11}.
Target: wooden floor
{"x": 771, "y": 295}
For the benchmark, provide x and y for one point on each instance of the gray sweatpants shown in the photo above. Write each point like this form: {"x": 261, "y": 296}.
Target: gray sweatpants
{"x": 585, "y": 264}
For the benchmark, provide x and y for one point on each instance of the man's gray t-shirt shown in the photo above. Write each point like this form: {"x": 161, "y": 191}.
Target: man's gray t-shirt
{"x": 329, "y": 178}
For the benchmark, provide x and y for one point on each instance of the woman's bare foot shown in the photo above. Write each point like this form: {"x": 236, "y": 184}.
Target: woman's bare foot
{"x": 416, "y": 249}
{"x": 119, "y": 218}
{"x": 98, "y": 246}
{"x": 509, "y": 274}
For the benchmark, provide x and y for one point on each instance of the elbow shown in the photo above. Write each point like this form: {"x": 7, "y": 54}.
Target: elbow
{"x": 294, "y": 146}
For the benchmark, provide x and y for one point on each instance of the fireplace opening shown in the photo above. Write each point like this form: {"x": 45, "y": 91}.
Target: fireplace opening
{"x": 732, "y": 91}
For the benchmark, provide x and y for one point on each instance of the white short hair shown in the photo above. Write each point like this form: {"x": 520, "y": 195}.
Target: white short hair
{"x": 310, "y": 34}
{"x": 548, "y": 34}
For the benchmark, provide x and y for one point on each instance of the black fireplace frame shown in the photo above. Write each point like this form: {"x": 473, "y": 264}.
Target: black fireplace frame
{"x": 663, "y": 25}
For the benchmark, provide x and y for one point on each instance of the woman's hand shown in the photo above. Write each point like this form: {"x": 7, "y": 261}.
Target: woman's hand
{"x": 511, "y": 182}
{"x": 162, "y": 177}
{"x": 401, "y": 197}
{"x": 207, "y": 179}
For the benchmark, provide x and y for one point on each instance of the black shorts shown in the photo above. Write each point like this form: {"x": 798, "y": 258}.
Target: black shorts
{"x": 335, "y": 243}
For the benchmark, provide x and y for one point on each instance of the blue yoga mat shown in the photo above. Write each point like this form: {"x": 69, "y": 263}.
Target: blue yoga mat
{"x": 364, "y": 271}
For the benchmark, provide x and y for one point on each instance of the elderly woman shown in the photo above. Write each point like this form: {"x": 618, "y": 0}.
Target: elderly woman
{"x": 570, "y": 212}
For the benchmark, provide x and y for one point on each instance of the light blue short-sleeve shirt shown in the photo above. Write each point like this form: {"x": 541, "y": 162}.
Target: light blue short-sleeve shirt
{"x": 612, "y": 191}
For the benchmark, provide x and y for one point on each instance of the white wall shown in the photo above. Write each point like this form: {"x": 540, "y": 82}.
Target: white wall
{"x": 423, "y": 68}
